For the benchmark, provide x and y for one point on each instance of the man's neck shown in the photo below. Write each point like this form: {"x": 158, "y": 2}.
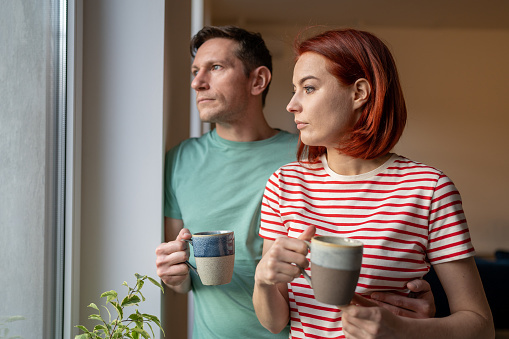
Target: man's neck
{"x": 245, "y": 131}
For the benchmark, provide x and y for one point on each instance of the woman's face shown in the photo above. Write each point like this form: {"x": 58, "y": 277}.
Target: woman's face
{"x": 324, "y": 109}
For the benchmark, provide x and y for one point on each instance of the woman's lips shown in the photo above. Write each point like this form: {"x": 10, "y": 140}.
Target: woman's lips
{"x": 300, "y": 124}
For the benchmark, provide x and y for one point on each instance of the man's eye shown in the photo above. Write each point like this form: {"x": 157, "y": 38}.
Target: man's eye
{"x": 216, "y": 67}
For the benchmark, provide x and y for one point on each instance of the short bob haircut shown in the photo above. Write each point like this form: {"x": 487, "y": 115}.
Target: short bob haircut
{"x": 352, "y": 55}
{"x": 251, "y": 50}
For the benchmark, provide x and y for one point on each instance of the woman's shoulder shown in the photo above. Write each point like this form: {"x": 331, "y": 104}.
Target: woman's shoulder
{"x": 404, "y": 164}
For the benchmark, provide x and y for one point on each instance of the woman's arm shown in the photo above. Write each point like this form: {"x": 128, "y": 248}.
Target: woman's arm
{"x": 270, "y": 300}
{"x": 470, "y": 313}
{"x": 273, "y": 273}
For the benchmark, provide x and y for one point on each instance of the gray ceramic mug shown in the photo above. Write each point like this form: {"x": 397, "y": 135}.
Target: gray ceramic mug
{"x": 214, "y": 252}
{"x": 335, "y": 268}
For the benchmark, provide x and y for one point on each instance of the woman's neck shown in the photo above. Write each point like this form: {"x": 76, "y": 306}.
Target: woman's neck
{"x": 346, "y": 165}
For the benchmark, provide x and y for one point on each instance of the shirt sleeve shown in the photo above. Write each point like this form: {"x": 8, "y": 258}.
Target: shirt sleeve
{"x": 449, "y": 237}
{"x": 272, "y": 225}
{"x": 171, "y": 207}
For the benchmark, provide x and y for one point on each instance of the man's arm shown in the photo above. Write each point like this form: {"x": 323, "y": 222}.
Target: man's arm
{"x": 171, "y": 256}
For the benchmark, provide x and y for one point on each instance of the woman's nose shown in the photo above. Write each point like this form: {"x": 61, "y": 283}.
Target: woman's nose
{"x": 293, "y": 106}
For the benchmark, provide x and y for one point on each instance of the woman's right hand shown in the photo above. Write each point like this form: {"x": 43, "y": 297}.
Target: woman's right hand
{"x": 282, "y": 262}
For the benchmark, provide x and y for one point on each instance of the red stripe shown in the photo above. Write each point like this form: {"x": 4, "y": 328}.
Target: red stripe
{"x": 396, "y": 259}
{"x": 350, "y": 182}
{"x": 452, "y": 255}
{"x": 416, "y": 196}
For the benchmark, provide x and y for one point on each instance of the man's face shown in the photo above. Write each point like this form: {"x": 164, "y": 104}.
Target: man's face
{"x": 222, "y": 88}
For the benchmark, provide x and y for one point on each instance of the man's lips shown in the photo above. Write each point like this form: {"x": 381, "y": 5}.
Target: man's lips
{"x": 203, "y": 100}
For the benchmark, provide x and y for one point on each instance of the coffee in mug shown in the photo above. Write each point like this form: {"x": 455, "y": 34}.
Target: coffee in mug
{"x": 335, "y": 268}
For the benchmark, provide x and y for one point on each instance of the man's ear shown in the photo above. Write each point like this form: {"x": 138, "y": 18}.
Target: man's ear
{"x": 362, "y": 91}
{"x": 260, "y": 80}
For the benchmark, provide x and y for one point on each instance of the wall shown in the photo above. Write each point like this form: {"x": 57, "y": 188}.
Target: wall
{"x": 122, "y": 147}
{"x": 454, "y": 81}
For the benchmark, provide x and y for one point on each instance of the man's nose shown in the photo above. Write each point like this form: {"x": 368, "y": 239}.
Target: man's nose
{"x": 200, "y": 82}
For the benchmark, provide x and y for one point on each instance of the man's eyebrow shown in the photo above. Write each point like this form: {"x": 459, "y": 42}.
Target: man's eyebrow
{"x": 225, "y": 62}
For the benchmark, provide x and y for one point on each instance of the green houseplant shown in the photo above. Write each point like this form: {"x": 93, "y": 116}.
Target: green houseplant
{"x": 126, "y": 324}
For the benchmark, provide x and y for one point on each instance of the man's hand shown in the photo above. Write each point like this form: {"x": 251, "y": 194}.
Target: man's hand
{"x": 421, "y": 304}
{"x": 170, "y": 262}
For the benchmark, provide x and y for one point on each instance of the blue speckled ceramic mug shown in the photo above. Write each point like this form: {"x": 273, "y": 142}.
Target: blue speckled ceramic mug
{"x": 214, "y": 252}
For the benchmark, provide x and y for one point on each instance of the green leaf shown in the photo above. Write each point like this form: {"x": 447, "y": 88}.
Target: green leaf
{"x": 94, "y": 306}
{"x": 130, "y": 300}
{"x": 125, "y": 284}
{"x": 142, "y": 296}
{"x": 142, "y": 332}
{"x": 100, "y": 327}
{"x": 83, "y": 328}
{"x": 153, "y": 281}
{"x": 140, "y": 277}
{"x": 110, "y": 295}
{"x": 139, "y": 284}
{"x": 151, "y": 329}
{"x": 135, "y": 317}
{"x": 95, "y": 317}
{"x": 83, "y": 336}
{"x": 119, "y": 310}
{"x": 109, "y": 314}
{"x": 153, "y": 319}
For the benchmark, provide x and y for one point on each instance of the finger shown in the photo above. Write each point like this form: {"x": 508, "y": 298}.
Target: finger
{"x": 402, "y": 306}
{"x": 271, "y": 271}
{"x": 308, "y": 233}
{"x": 283, "y": 259}
{"x": 360, "y": 300}
{"x": 418, "y": 285}
{"x": 285, "y": 245}
{"x": 168, "y": 248}
{"x": 184, "y": 234}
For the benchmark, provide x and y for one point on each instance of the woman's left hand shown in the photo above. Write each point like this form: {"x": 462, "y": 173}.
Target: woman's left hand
{"x": 360, "y": 322}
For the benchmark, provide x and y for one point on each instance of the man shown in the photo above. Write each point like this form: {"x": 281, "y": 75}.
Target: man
{"x": 216, "y": 182}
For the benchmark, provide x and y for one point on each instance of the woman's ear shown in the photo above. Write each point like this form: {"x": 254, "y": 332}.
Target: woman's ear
{"x": 362, "y": 91}
{"x": 260, "y": 80}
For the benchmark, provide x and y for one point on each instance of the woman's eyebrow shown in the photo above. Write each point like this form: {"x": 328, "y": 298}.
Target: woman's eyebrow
{"x": 307, "y": 78}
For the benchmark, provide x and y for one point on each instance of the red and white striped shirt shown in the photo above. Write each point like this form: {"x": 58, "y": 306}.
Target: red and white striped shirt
{"x": 407, "y": 214}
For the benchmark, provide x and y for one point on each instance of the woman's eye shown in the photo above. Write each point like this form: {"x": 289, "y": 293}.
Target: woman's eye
{"x": 309, "y": 89}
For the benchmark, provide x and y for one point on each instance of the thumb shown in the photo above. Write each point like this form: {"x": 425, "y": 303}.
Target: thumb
{"x": 184, "y": 234}
{"x": 308, "y": 233}
{"x": 419, "y": 286}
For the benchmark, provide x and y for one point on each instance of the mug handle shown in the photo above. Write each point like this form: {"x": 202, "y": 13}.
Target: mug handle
{"x": 191, "y": 267}
{"x": 306, "y": 276}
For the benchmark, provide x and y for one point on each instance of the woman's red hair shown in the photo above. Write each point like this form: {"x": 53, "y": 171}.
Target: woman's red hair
{"x": 352, "y": 55}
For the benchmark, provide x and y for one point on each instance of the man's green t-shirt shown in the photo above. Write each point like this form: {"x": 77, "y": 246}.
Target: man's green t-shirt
{"x": 216, "y": 184}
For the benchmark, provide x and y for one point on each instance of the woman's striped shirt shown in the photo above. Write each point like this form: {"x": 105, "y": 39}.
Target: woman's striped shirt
{"x": 407, "y": 214}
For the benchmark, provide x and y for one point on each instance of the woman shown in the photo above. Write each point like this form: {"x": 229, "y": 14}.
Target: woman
{"x": 350, "y": 111}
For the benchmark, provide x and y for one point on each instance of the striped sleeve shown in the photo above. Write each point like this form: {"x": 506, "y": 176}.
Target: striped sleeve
{"x": 272, "y": 225}
{"x": 449, "y": 238}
